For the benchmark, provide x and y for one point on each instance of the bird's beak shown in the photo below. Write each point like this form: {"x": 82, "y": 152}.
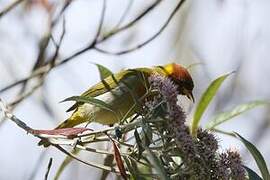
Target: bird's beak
{"x": 191, "y": 97}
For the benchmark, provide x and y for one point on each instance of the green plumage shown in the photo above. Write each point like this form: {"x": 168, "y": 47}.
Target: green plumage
{"x": 113, "y": 81}
{"x": 122, "y": 91}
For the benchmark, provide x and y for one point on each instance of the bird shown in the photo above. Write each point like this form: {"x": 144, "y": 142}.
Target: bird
{"x": 121, "y": 91}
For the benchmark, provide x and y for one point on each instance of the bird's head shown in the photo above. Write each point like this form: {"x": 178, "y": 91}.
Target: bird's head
{"x": 181, "y": 77}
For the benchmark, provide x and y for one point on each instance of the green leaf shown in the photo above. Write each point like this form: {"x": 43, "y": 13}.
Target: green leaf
{"x": 131, "y": 169}
{"x": 257, "y": 156}
{"x": 147, "y": 134}
{"x": 252, "y": 175}
{"x": 204, "y": 102}
{"x": 138, "y": 143}
{"x": 225, "y": 116}
{"x": 64, "y": 164}
{"x": 90, "y": 100}
{"x": 103, "y": 71}
{"x": 157, "y": 164}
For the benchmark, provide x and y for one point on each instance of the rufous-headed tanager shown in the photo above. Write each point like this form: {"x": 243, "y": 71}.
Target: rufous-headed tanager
{"x": 121, "y": 91}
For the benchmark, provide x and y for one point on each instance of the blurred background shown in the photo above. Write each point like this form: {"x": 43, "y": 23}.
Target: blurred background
{"x": 219, "y": 36}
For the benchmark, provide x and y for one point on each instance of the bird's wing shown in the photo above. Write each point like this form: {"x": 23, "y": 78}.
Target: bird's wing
{"x": 110, "y": 83}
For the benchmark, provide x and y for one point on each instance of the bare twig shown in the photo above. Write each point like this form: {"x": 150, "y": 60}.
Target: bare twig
{"x": 42, "y": 70}
{"x": 58, "y": 45}
{"x": 9, "y": 115}
{"x": 148, "y": 40}
{"x": 132, "y": 22}
{"x": 48, "y": 169}
{"x": 99, "y": 166}
{"x": 10, "y": 7}
{"x": 100, "y": 22}
{"x": 24, "y": 95}
{"x": 44, "y": 42}
{"x": 124, "y": 15}
{"x": 21, "y": 124}
{"x": 66, "y": 5}
{"x": 47, "y": 67}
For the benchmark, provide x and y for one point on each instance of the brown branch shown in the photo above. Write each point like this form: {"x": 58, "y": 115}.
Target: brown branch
{"x": 124, "y": 15}
{"x": 58, "y": 45}
{"x": 47, "y": 67}
{"x": 25, "y": 127}
{"x": 148, "y": 40}
{"x": 99, "y": 166}
{"x": 44, "y": 42}
{"x": 132, "y": 22}
{"x": 24, "y": 95}
{"x": 100, "y": 22}
{"x": 42, "y": 70}
{"x": 66, "y": 5}
{"x": 10, "y": 7}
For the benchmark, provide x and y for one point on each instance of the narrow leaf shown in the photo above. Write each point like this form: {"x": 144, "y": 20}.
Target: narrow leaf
{"x": 138, "y": 143}
{"x": 147, "y": 134}
{"x": 119, "y": 161}
{"x": 257, "y": 156}
{"x": 69, "y": 132}
{"x": 65, "y": 163}
{"x": 252, "y": 175}
{"x": 90, "y": 100}
{"x": 131, "y": 169}
{"x": 204, "y": 102}
{"x": 157, "y": 164}
{"x": 103, "y": 71}
{"x": 225, "y": 116}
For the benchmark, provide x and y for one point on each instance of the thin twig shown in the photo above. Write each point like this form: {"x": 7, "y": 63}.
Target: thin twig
{"x": 148, "y": 40}
{"x": 48, "y": 169}
{"x": 99, "y": 166}
{"x": 10, "y": 7}
{"x": 100, "y": 22}
{"x": 47, "y": 67}
{"x": 28, "y": 129}
{"x": 58, "y": 45}
{"x": 66, "y": 5}
{"x": 22, "y": 95}
{"x": 132, "y": 22}
{"x": 124, "y": 15}
{"x": 25, "y": 94}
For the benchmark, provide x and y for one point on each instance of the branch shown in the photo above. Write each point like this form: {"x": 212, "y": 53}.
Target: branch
{"x": 148, "y": 40}
{"x": 124, "y": 15}
{"x": 101, "y": 22}
{"x": 132, "y": 22}
{"x": 48, "y": 169}
{"x": 10, "y": 7}
{"x": 24, "y": 126}
{"x": 47, "y": 67}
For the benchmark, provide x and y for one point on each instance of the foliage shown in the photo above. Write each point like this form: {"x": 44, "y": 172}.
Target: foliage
{"x": 157, "y": 143}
